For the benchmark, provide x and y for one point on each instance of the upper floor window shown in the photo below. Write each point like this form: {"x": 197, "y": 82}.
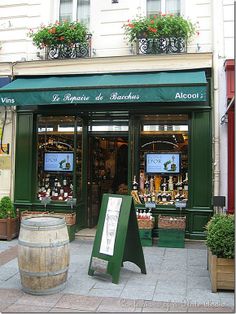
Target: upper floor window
{"x": 72, "y": 10}
{"x": 163, "y": 6}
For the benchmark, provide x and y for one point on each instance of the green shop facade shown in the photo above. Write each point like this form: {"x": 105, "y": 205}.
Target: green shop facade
{"x": 80, "y": 136}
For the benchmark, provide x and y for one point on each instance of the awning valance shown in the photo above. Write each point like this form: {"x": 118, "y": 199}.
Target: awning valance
{"x": 106, "y": 88}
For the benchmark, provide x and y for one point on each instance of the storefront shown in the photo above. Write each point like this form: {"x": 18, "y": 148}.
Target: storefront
{"x": 85, "y": 135}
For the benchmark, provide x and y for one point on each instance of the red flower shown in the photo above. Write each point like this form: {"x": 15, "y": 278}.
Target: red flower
{"x": 198, "y": 33}
{"x": 52, "y": 30}
{"x": 153, "y": 30}
{"x": 152, "y": 22}
{"x": 131, "y": 25}
{"x": 163, "y": 14}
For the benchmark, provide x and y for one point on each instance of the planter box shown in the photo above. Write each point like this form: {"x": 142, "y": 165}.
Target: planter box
{"x": 9, "y": 228}
{"x": 27, "y": 213}
{"x": 221, "y": 272}
{"x": 145, "y": 237}
{"x": 145, "y": 224}
{"x": 173, "y": 238}
{"x": 71, "y": 231}
{"x": 70, "y": 218}
{"x": 171, "y": 222}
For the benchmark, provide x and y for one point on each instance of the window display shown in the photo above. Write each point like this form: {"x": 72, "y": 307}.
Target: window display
{"x": 57, "y": 157}
{"x": 163, "y": 177}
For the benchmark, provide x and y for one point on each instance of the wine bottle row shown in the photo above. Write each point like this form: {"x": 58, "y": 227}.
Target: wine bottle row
{"x": 57, "y": 188}
{"x": 160, "y": 190}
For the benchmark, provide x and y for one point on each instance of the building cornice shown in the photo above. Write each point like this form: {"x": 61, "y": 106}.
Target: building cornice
{"x": 121, "y": 64}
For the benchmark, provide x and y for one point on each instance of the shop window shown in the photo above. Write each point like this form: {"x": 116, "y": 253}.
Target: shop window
{"x": 72, "y": 10}
{"x": 163, "y": 175}
{"x": 163, "y": 6}
{"x": 58, "y": 160}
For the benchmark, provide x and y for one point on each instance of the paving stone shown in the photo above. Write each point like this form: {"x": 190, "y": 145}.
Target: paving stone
{"x": 169, "y": 271}
{"x": 166, "y": 297}
{"x": 38, "y": 300}
{"x": 8, "y": 255}
{"x": 204, "y": 309}
{"x": 22, "y": 308}
{"x": 199, "y": 282}
{"x": 155, "y": 306}
{"x": 203, "y": 296}
{"x": 79, "y": 302}
{"x": 138, "y": 292}
{"x": 63, "y": 310}
{"x": 197, "y": 270}
{"x": 120, "y": 305}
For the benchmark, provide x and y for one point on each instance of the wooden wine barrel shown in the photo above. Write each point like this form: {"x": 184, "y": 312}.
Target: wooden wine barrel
{"x": 43, "y": 254}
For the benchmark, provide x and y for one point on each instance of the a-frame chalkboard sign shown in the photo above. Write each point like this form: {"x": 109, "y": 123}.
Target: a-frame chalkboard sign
{"x": 117, "y": 237}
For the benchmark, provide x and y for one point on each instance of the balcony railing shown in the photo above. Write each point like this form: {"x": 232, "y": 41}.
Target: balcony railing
{"x": 161, "y": 45}
{"x": 77, "y": 50}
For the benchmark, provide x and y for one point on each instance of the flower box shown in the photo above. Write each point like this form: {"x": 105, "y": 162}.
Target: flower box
{"x": 63, "y": 40}
{"x": 145, "y": 224}
{"x": 172, "y": 238}
{"x": 70, "y": 218}
{"x": 145, "y": 237}
{"x": 27, "y": 213}
{"x": 160, "y": 33}
{"x": 171, "y": 222}
{"x": 9, "y": 228}
{"x": 222, "y": 271}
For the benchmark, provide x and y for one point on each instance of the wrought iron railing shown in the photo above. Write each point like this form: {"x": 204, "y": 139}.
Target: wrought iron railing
{"x": 161, "y": 45}
{"x": 77, "y": 50}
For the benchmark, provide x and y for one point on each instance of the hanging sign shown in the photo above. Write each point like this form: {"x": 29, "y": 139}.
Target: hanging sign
{"x": 117, "y": 238}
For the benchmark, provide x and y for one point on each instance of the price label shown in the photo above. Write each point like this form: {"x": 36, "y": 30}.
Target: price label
{"x": 150, "y": 205}
{"x": 180, "y": 204}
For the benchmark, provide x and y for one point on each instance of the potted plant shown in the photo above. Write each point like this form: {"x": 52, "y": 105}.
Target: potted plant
{"x": 220, "y": 242}
{"x": 162, "y": 33}
{"x": 62, "y": 39}
{"x": 9, "y": 219}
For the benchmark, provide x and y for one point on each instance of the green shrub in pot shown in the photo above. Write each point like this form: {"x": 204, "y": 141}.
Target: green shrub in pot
{"x": 220, "y": 237}
{"x": 7, "y": 208}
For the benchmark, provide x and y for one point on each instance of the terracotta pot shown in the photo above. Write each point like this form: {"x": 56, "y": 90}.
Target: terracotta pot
{"x": 9, "y": 228}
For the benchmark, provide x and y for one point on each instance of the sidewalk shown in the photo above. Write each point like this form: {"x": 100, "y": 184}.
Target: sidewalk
{"x": 176, "y": 281}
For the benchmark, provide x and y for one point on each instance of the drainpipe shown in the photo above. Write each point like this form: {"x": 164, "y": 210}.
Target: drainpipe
{"x": 216, "y": 24}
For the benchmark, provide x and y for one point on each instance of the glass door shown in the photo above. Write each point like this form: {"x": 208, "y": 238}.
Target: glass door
{"x": 108, "y": 163}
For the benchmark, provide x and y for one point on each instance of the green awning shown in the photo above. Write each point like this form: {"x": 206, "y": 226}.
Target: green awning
{"x": 106, "y": 88}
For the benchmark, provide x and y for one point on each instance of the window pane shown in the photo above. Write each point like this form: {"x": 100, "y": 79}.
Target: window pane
{"x": 83, "y": 11}
{"x": 55, "y": 157}
{"x": 153, "y": 7}
{"x": 163, "y": 173}
{"x": 173, "y": 6}
{"x": 66, "y": 10}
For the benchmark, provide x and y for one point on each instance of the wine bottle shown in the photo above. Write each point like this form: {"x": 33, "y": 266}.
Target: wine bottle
{"x": 68, "y": 165}
{"x": 170, "y": 183}
{"x": 186, "y": 182}
{"x": 141, "y": 181}
{"x": 164, "y": 185}
{"x": 163, "y": 197}
{"x": 135, "y": 184}
{"x": 151, "y": 185}
{"x": 146, "y": 186}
